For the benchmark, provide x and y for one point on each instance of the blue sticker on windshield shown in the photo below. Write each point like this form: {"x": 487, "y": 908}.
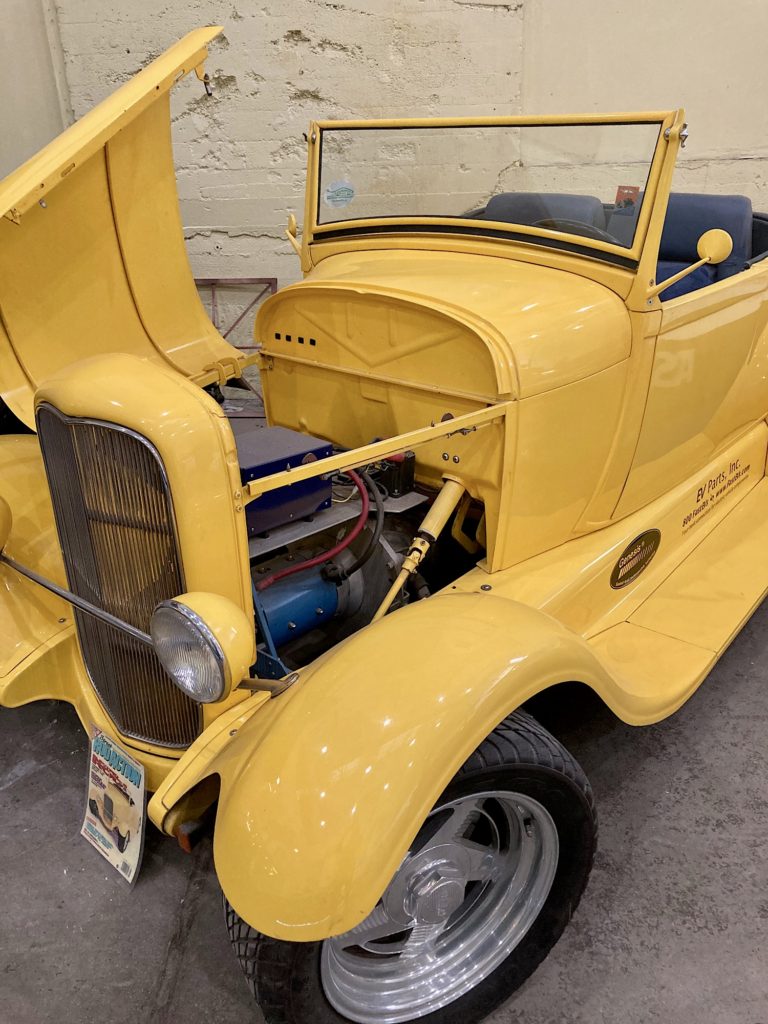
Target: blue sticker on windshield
{"x": 339, "y": 193}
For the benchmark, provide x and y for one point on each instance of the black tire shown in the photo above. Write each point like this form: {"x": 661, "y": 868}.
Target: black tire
{"x": 122, "y": 840}
{"x": 519, "y": 756}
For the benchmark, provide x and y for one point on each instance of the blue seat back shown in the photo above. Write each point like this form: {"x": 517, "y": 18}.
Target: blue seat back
{"x": 622, "y": 223}
{"x": 689, "y": 215}
{"x": 531, "y": 207}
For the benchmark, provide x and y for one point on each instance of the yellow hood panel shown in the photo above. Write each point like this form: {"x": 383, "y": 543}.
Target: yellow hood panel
{"x": 92, "y": 255}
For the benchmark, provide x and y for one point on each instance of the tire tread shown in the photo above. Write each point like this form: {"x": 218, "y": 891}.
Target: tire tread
{"x": 511, "y": 742}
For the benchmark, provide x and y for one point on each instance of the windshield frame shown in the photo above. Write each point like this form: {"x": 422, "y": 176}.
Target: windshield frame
{"x": 469, "y": 229}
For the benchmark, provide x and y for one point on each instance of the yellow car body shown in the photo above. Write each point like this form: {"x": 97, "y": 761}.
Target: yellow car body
{"x": 618, "y": 432}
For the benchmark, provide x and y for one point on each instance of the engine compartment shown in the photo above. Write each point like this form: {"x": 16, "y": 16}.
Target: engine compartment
{"x": 324, "y": 552}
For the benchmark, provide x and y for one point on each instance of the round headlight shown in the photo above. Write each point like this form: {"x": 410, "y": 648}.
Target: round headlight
{"x": 189, "y": 652}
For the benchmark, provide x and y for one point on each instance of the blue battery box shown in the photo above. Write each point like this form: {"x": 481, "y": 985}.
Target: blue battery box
{"x": 266, "y": 450}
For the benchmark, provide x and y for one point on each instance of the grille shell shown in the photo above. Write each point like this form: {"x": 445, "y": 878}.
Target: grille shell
{"x": 114, "y": 515}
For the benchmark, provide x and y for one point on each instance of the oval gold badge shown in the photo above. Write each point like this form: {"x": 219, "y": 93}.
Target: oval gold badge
{"x": 635, "y": 558}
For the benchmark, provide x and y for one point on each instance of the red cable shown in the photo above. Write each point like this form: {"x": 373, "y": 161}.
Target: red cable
{"x": 327, "y": 555}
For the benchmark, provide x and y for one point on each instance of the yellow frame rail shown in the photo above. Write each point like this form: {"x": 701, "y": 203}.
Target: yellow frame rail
{"x": 378, "y": 450}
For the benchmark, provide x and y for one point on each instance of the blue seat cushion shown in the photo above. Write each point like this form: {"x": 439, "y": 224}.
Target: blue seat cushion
{"x": 690, "y": 214}
{"x": 531, "y": 207}
{"x": 699, "y": 278}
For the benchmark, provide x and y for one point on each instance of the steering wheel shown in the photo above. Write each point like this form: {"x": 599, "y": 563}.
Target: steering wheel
{"x": 576, "y": 227}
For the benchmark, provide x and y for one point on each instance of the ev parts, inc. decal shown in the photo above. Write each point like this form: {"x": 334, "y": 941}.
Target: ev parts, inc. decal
{"x": 714, "y": 490}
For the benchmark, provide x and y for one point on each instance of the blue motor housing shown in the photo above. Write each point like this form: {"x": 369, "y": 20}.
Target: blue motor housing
{"x": 296, "y": 605}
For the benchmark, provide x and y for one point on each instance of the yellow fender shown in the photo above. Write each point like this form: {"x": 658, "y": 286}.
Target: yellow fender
{"x": 32, "y": 620}
{"x": 324, "y": 788}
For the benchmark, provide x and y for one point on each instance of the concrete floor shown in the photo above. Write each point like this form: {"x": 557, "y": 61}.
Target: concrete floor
{"x": 673, "y": 927}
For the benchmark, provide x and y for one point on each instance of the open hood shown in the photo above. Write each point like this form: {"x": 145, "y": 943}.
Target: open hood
{"x": 92, "y": 255}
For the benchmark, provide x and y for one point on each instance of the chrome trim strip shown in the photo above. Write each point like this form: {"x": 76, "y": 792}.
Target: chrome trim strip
{"x": 78, "y": 602}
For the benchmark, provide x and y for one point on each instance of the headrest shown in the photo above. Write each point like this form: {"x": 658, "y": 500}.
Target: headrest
{"x": 530, "y": 207}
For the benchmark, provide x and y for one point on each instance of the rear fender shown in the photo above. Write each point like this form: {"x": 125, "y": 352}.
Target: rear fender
{"x": 325, "y": 787}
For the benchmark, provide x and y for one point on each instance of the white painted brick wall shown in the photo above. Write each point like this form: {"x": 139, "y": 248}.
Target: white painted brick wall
{"x": 240, "y": 155}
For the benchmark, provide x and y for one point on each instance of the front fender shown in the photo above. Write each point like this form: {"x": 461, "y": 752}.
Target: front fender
{"x": 324, "y": 789}
{"x": 32, "y": 620}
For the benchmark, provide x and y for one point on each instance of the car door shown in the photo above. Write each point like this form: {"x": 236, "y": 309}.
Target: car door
{"x": 708, "y": 384}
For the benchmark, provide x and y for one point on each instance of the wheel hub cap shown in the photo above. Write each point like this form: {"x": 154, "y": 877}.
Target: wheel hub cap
{"x": 430, "y": 886}
{"x": 434, "y": 899}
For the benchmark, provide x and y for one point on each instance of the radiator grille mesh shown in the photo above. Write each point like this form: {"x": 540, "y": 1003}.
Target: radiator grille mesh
{"x": 115, "y": 521}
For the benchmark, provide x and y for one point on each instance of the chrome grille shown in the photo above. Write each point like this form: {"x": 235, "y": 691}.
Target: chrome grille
{"x": 115, "y": 521}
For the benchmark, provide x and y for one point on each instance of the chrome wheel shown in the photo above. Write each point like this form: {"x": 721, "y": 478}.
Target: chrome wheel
{"x": 479, "y": 873}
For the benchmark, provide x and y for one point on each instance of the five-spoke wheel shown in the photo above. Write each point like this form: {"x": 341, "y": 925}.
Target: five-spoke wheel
{"x": 464, "y": 897}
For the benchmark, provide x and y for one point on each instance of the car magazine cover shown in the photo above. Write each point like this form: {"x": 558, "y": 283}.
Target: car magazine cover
{"x": 114, "y": 810}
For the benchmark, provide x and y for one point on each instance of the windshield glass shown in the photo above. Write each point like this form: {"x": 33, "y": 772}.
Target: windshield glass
{"x": 586, "y": 179}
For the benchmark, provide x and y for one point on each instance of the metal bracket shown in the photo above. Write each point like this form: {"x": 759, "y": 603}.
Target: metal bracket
{"x": 273, "y": 689}
{"x": 269, "y": 665}
{"x": 682, "y": 135}
{"x": 225, "y": 369}
{"x": 205, "y": 78}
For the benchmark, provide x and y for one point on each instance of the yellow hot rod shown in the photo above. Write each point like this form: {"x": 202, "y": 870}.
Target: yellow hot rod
{"x": 514, "y": 436}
